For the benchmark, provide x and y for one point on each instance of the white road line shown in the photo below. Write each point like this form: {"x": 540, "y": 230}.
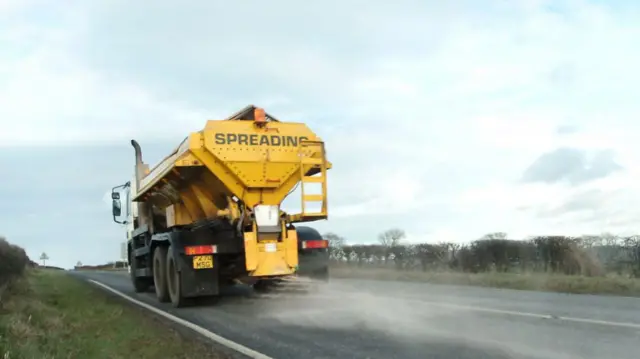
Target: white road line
{"x": 531, "y": 315}
{"x": 210, "y": 335}
{"x": 419, "y": 300}
{"x": 422, "y": 301}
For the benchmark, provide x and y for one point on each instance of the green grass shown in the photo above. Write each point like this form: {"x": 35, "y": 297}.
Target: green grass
{"x": 49, "y": 314}
{"x": 611, "y": 285}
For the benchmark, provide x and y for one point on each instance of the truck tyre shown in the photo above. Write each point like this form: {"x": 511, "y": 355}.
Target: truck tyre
{"x": 140, "y": 285}
{"x": 174, "y": 280}
{"x": 160, "y": 273}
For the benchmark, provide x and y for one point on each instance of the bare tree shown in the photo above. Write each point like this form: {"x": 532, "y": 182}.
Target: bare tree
{"x": 335, "y": 241}
{"x": 391, "y": 237}
{"x": 495, "y": 235}
{"x": 610, "y": 239}
{"x": 336, "y": 245}
{"x": 590, "y": 241}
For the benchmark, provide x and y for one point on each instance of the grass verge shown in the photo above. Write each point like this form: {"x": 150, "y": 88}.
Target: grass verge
{"x": 610, "y": 285}
{"x": 49, "y": 314}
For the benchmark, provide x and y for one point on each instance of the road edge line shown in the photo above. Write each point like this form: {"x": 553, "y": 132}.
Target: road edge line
{"x": 200, "y": 330}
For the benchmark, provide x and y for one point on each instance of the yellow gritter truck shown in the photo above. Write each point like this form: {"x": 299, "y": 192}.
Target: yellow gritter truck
{"x": 209, "y": 214}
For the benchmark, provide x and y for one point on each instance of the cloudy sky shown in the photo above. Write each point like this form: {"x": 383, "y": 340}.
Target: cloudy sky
{"x": 449, "y": 121}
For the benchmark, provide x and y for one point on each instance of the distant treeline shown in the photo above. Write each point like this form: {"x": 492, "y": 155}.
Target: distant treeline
{"x": 48, "y": 267}
{"x": 109, "y": 265}
{"x": 586, "y": 255}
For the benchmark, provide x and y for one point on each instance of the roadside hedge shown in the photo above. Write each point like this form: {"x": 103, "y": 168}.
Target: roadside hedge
{"x": 13, "y": 261}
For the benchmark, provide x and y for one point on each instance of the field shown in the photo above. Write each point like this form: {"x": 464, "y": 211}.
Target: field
{"x": 49, "y": 314}
{"x": 610, "y": 284}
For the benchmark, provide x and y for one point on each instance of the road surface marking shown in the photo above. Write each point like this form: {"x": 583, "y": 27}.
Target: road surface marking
{"x": 530, "y": 315}
{"x": 208, "y": 334}
{"x": 417, "y": 299}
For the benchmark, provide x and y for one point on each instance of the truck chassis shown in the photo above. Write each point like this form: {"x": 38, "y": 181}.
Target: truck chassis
{"x": 161, "y": 260}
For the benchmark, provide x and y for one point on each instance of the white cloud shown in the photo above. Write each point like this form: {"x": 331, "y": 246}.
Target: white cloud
{"x": 431, "y": 112}
{"x": 49, "y": 99}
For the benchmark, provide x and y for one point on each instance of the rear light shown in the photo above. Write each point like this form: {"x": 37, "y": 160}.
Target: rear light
{"x": 320, "y": 243}
{"x": 197, "y": 250}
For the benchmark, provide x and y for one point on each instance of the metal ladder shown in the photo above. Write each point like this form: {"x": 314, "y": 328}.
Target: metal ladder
{"x": 306, "y": 149}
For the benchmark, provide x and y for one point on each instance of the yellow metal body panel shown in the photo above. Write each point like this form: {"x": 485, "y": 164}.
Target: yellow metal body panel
{"x": 270, "y": 257}
{"x": 177, "y": 215}
{"x": 257, "y": 164}
{"x": 291, "y": 248}
{"x": 255, "y": 161}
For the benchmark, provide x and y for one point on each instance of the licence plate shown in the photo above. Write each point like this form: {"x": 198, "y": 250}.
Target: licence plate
{"x": 202, "y": 262}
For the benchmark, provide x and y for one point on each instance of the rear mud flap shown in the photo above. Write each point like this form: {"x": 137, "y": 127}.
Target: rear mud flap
{"x": 198, "y": 282}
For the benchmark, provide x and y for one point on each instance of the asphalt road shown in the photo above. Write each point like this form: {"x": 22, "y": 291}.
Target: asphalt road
{"x": 374, "y": 319}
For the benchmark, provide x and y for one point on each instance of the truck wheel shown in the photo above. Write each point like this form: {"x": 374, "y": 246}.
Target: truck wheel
{"x": 174, "y": 281}
{"x": 160, "y": 273}
{"x": 140, "y": 285}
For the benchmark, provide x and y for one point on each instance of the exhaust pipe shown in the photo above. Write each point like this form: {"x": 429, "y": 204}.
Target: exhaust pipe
{"x": 144, "y": 215}
{"x": 139, "y": 164}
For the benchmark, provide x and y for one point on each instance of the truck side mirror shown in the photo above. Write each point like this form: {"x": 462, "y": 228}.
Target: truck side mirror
{"x": 116, "y": 205}
{"x": 116, "y": 208}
